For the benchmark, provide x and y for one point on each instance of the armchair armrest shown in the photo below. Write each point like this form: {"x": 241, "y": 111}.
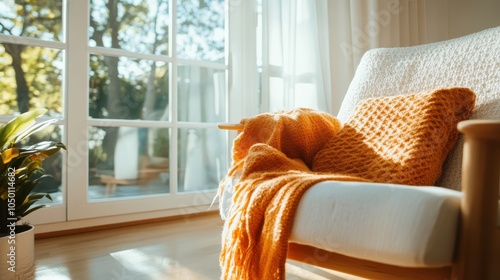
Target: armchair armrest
{"x": 484, "y": 129}
{"x": 230, "y": 126}
{"x": 479, "y": 234}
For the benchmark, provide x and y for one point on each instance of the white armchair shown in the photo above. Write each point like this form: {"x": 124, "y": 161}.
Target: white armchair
{"x": 389, "y": 231}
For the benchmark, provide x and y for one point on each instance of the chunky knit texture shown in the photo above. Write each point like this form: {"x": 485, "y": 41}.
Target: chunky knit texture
{"x": 471, "y": 61}
{"x": 400, "y": 139}
{"x": 275, "y": 154}
{"x": 298, "y": 133}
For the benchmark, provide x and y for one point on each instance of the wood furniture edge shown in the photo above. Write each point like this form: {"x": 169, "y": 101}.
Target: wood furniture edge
{"x": 479, "y": 235}
{"x": 363, "y": 268}
{"x": 231, "y": 126}
{"x": 485, "y": 129}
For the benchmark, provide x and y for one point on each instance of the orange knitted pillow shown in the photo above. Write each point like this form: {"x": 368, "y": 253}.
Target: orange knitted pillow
{"x": 400, "y": 139}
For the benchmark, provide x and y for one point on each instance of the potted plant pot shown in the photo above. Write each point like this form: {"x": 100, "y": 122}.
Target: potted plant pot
{"x": 17, "y": 254}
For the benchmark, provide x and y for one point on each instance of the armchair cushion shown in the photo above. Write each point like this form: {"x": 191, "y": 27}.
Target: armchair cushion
{"x": 401, "y": 139}
{"x": 386, "y": 223}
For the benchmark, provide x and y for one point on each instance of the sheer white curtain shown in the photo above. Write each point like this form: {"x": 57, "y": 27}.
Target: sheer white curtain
{"x": 310, "y": 48}
{"x": 295, "y": 55}
{"x": 356, "y": 26}
{"x": 200, "y": 150}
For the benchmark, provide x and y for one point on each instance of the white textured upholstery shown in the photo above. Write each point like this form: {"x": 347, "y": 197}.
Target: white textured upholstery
{"x": 471, "y": 61}
{"x": 392, "y": 224}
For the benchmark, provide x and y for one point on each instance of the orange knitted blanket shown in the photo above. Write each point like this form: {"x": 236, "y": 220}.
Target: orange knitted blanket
{"x": 274, "y": 155}
{"x": 275, "y": 152}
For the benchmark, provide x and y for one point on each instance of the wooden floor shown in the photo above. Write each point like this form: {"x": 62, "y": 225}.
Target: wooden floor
{"x": 181, "y": 249}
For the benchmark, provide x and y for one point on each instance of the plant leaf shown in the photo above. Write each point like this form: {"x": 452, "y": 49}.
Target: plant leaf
{"x": 46, "y": 148}
{"x": 35, "y": 196}
{"x": 9, "y": 154}
{"x": 33, "y": 209}
{"x": 17, "y": 125}
{"x": 24, "y": 191}
{"x": 33, "y": 129}
{"x": 22, "y": 209}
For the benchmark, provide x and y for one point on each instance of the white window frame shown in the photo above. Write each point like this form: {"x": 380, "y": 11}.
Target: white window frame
{"x": 76, "y": 211}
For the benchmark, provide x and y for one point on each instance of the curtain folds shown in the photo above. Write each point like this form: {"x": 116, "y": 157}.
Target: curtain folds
{"x": 311, "y": 48}
{"x": 296, "y": 71}
{"x": 356, "y": 26}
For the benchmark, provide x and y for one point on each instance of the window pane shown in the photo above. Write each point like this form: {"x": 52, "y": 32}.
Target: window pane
{"x": 202, "y": 158}
{"x": 136, "y": 26}
{"x": 128, "y": 161}
{"x": 30, "y": 78}
{"x": 200, "y": 28}
{"x": 277, "y": 98}
{"x": 51, "y": 184}
{"x": 35, "y": 19}
{"x": 201, "y": 94}
{"x": 125, "y": 88}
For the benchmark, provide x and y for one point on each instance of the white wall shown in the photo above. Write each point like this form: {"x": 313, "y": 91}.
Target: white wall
{"x": 469, "y": 16}
{"x": 443, "y": 19}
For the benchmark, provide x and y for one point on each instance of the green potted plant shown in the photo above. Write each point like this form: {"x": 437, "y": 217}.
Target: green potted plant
{"x": 20, "y": 172}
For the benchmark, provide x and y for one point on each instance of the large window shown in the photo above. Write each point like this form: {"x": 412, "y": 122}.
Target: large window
{"x": 156, "y": 69}
{"x": 138, "y": 86}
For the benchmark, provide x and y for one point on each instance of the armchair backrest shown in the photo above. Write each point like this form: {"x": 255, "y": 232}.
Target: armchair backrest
{"x": 471, "y": 61}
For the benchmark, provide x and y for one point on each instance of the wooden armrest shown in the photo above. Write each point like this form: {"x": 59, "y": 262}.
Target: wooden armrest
{"x": 486, "y": 129}
{"x": 479, "y": 233}
{"x": 231, "y": 126}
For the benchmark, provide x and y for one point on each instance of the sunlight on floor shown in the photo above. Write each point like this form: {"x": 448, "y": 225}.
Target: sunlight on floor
{"x": 300, "y": 271}
{"x": 52, "y": 273}
{"x": 295, "y": 272}
{"x": 137, "y": 262}
{"x": 171, "y": 250}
